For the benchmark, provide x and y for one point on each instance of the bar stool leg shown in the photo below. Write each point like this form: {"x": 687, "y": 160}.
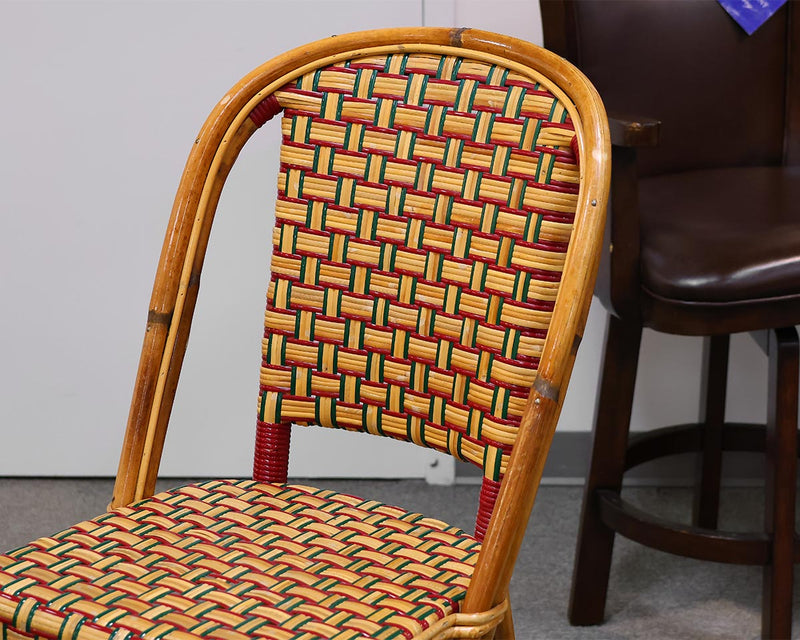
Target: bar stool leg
{"x": 781, "y": 483}
{"x": 712, "y": 416}
{"x": 612, "y": 421}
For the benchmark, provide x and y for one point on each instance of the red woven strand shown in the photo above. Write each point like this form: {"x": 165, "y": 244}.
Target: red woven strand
{"x": 271, "y": 460}
{"x": 489, "y": 491}
{"x": 265, "y": 110}
{"x": 575, "y": 149}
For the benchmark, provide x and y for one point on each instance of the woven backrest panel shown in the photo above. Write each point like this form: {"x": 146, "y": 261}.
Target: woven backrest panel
{"x": 424, "y": 212}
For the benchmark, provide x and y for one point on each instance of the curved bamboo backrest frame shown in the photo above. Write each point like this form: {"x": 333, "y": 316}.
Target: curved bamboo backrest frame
{"x": 175, "y": 291}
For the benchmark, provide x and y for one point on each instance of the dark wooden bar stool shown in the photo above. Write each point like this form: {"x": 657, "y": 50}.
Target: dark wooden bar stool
{"x": 704, "y": 239}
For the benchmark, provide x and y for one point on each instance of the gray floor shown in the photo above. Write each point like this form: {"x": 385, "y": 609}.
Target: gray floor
{"x": 652, "y": 594}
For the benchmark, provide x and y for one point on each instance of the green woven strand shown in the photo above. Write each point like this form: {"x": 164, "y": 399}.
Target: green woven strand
{"x": 467, "y": 381}
{"x": 457, "y": 290}
{"x": 407, "y": 238}
{"x": 318, "y": 410}
{"x": 326, "y": 294}
{"x": 293, "y": 134}
{"x": 537, "y": 124}
{"x": 338, "y": 194}
{"x": 382, "y": 320}
{"x": 462, "y": 87}
{"x": 440, "y": 68}
{"x": 498, "y": 461}
{"x": 346, "y": 333}
{"x": 263, "y": 405}
{"x": 300, "y": 181}
{"x": 482, "y": 115}
{"x": 419, "y": 382}
{"x": 293, "y": 380}
{"x": 499, "y": 406}
{"x": 401, "y": 200}
{"x": 456, "y": 435}
{"x": 506, "y": 161}
{"x": 401, "y": 138}
{"x": 523, "y": 189}
{"x": 551, "y": 162}
{"x": 63, "y": 628}
{"x": 428, "y": 118}
{"x": 490, "y": 357}
{"x": 361, "y": 229}
{"x": 418, "y": 184}
{"x": 522, "y": 281}
{"x": 391, "y": 249}
{"x": 513, "y": 92}
{"x": 423, "y": 79}
{"x": 343, "y": 384}
{"x": 14, "y": 618}
{"x": 467, "y": 242}
{"x": 437, "y": 276}
{"x": 538, "y": 229}
{"x": 503, "y": 75}
{"x": 488, "y": 220}
{"x": 459, "y": 152}
{"x": 317, "y": 77}
{"x": 470, "y": 422}
{"x": 381, "y": 358}
{"x": 326, "y": 97}
{"x": 315, "y": 165}
{"x": 447, "y": 346}
{"x": 396, "y": 390}
{"x": 353, "y": 283}
{"x": 310, "y": 213}
{"x": 413, "y": 295}
{"x": 348, "y": 134}
{"x": 511, "y": 343}
{"x": 456, "y": 68}
{"x": 465, "y": 329}
{"x": 378, "y": 419}
{"x": 392, "y": 113}
{"x": 282, "y": 361}
{"x": 500, "y": 246}
{"x": 360, "y": 79}
{"x": 405, "y": 341}
{"x": 302, "y": 269}
{"x": 448, "y": 208}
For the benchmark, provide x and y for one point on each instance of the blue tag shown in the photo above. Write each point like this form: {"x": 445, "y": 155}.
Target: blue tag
{"x": 751, "y": 14}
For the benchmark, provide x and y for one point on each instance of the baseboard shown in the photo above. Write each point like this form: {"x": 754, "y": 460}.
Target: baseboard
{"x": 569, "y": 455}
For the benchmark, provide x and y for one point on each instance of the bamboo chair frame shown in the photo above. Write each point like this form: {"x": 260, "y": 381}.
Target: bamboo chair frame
{"x": 175, "y": 291}
{"x": 485, "y": 609}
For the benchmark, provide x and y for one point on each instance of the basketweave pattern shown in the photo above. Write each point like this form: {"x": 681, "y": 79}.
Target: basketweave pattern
{"x": 239, "y": 560}
{"x": 424, "y": 212}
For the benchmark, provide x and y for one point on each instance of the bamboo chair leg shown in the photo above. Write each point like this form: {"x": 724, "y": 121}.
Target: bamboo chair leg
{"x": 781, "y": 483}
{"x": 612, "y": 421}
{"x": 505, "y": 630}
{"x": 712, "y": 416}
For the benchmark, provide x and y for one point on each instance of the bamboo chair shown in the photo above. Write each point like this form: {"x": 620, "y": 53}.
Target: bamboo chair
{"x": 440, "y": 210}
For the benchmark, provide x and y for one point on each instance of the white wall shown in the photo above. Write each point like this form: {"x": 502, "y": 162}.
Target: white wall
{"x": 101, "y": 103}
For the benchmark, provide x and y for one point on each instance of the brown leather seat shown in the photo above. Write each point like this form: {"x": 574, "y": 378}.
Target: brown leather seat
{"x": 704, "y": 239}
{"x": 721, "y": 241}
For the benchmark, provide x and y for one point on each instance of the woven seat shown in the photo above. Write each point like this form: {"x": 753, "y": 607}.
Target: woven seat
{"x": 243, "y": 560}
{"x": 439, "y": 214}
